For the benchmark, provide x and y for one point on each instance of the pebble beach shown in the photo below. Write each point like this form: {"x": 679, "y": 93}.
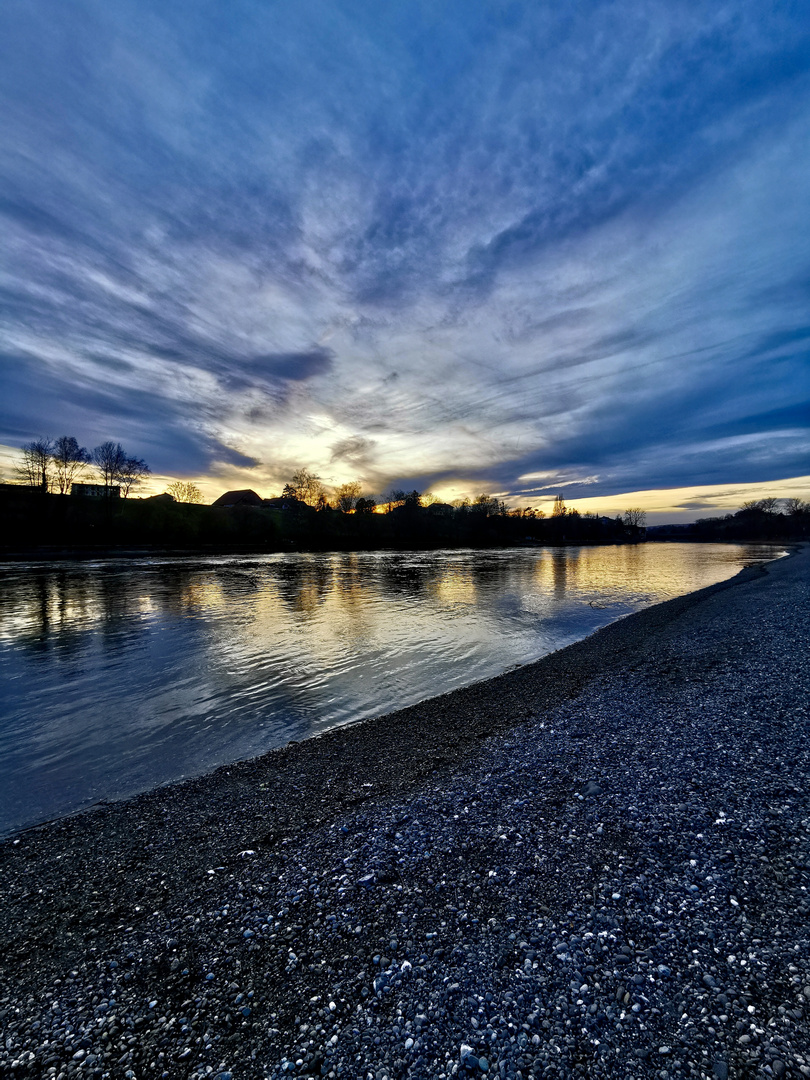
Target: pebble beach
{"x": 597, "y": 865}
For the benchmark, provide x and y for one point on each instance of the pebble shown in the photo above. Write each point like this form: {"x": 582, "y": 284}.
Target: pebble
{"x": 518, "y": 957}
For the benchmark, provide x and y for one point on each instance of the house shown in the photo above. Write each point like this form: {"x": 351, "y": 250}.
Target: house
{"x": 21, "y": 489}
{"x": 96, "y": 491}
{"x": 245, "y": 497}
{"x": 281, "y": 502}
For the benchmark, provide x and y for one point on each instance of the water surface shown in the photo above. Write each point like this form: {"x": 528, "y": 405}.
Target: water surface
{"x": 117, "y": 676}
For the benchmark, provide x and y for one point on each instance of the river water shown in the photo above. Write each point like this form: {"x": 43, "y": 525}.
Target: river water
{"x": 117, "y": 676}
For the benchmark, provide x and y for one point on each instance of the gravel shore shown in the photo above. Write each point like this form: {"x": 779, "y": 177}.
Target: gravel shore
{"x": 597, "y": 865}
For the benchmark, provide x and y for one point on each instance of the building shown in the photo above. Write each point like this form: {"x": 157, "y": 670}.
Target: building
{"x": 245, "y": 497}
{"x": 96, "y": 491}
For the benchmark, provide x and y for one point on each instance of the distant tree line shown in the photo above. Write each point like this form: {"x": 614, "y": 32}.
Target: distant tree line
{"x": 350, "y": 517}
{"x": 758, "y": 519}
{"x": 307, "y": 516}
{"x": 307, "y": 488}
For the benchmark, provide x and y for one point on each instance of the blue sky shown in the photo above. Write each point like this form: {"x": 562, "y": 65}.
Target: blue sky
{"x": 520, "y": 248}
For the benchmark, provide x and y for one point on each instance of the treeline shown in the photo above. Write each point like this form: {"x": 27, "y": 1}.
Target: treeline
{"x": 31, "y": 520}
{"x": 306, "y": 516}
{"x": 768, "y": 519}
{"x": 411, "y": 519}
{"x": 54, "y": 465}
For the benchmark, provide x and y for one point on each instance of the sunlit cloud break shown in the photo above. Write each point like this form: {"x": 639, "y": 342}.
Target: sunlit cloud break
{"x": 509, "y": 248}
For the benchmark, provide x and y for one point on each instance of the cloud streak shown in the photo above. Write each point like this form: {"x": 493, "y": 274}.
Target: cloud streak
{"x": 449, "y": 245}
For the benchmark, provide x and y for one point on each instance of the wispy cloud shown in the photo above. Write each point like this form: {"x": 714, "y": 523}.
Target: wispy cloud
{"x": 454, "y": 244}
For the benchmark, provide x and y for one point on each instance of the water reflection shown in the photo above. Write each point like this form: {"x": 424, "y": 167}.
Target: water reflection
{"x": 117, "y": 676}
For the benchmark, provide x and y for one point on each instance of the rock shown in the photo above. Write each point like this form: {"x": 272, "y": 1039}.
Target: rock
{"x": 593, "y": 787}
{"x": 720, "y": 1070}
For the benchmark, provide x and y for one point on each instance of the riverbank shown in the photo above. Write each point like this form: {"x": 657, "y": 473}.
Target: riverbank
{"x": 594, "y": 865}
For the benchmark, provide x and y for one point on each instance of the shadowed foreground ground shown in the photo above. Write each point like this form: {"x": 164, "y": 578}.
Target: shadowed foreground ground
{"x": 596, "y": 865}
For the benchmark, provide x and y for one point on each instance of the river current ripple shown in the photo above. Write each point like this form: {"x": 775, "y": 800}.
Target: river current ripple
{"x": 117, "y": 676}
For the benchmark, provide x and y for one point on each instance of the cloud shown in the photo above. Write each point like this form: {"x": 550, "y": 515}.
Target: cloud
{"x": 355, "y": 450}
{"x": 293, "y": 366}
{"x": 425, "y": 243}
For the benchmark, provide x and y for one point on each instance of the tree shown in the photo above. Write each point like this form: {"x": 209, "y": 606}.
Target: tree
{"x": 559, "y": 507}
{"x": 635, "y": 518}
{"x": 184, "y": 491}
{"x": 132, "y": 474}
{"x": 69, "y": 460}
{"x": 487, "y": 505}
{"x": 109, "y": 458}
{"x": 762, "y": 506}
{"x": 347, "y": 496}
{"x": 795, "y": 507}
{"x": 365, "y": 506}
{"x": 115, "y": 466}
{"x": 307, "y": 487}
{"x": 394, "y": 498}
{"x": 34, "y": 468}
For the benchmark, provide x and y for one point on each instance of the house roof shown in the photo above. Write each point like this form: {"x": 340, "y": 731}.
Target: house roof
{"x": 244, "y": 497}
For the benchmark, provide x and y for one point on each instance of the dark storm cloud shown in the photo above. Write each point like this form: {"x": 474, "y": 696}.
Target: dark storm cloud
{"x": 445, "y": 241}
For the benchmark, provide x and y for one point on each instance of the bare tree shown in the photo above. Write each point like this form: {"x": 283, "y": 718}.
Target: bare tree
{"x": 132, "y": 474}
{"x": 69, "y": 460}
{"x": 116, "y": 467}
{"x": 35, "y": 465}
{"x": 346, "y": 496}
{"x": 765, "y": 506}
{"x": 559, "y": 507}
{"x": 487, "y": 505}
{"x": 184, "y": 491}
{"x": 795, "y": 506}
{"x": 395, "y": 497}
{"x": 635, "y": 518}
{"x": 307, "y": 487}
{"x": 110, "y": 459}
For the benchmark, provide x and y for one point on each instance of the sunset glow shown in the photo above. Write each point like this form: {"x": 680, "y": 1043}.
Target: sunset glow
{"x": 466, "y": 248}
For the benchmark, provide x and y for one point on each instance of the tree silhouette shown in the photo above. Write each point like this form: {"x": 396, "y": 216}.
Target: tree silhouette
{"x": 116, "y": 467}
{"x": 763, "y": 506}
{"x": 34, "y": 467}
{"x": 347, "y": 496}
{"x": 132, "y": 474}
{"x": 69, "y": 460}
{"x": 184, "y": 491}
{"x": 110, "y": 459}
{"x": 307, "y": 487}
{"x": 635, "y": 518}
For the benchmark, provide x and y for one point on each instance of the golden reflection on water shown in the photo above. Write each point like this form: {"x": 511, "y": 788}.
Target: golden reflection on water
{"x": 332, "y": 590}
{"x": 117, "y": 676}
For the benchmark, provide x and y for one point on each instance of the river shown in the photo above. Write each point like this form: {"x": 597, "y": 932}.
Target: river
{"x": 117, "y": 676}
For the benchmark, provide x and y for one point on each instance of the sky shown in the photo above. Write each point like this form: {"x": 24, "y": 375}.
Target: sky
{"x": 514, "y": 248}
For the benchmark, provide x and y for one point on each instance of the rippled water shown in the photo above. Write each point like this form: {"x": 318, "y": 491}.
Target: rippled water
{"x": 118, "y": 676}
